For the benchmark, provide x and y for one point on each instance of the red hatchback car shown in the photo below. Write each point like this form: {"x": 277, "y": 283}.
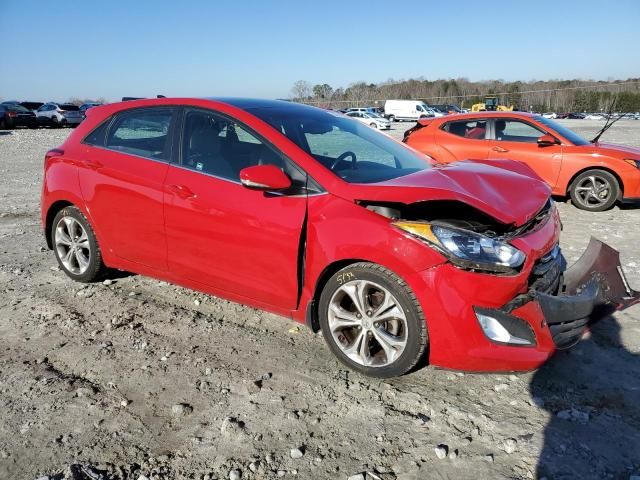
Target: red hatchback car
{"x": 317, "y": 217}
{"x": 595, "y": 175}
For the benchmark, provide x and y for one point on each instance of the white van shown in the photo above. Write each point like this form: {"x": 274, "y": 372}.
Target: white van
{"x": 408, "y": 110}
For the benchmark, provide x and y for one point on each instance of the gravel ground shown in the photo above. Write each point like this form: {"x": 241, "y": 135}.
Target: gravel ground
{"x": 138, "y": 379}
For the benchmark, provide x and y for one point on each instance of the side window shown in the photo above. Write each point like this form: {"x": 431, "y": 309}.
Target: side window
{"x": 141, "y": 132}
{"x": 96, "y": 137}
{"x": 219, "y": 146}
{"x": 516, "y": 131}
{"x": 419, "y": 108}
{"x": 472, "y": 129}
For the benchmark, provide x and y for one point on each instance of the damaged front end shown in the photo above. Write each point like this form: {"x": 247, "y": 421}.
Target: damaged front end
{"x": 572, "y": 299}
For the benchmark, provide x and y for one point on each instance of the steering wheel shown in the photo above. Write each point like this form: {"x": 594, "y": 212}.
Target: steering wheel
{"x": 343, "y": 156}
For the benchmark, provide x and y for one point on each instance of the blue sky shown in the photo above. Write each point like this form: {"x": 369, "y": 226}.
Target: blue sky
{"x": 53, "y": 50}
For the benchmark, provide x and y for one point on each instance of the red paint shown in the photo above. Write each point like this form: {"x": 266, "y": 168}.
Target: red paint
{"x": 556, "y": 164}
{"x": 225, "y": 239}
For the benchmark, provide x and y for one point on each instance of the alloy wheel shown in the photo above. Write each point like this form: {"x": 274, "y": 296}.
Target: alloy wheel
{"x": 593, "y": 191}
{"x": 72, "y": 245}
{"x": 368, "y": 323}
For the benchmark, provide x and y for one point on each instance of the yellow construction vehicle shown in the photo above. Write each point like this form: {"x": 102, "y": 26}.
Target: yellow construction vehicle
{"x": 490, "y": 105}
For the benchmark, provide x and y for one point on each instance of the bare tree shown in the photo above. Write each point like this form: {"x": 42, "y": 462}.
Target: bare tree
{"x": 301, "y": 90}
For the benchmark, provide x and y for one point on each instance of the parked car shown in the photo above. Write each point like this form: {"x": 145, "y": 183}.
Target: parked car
{"x": 59, "y": 114}
{"x": 32, "y": 106}
{"x": 372, "y": 119}
{"x": 571, "y": 116}
{"x": 551, "y": 115}
{"x": 595, "y": 116}
{"x": 364, "y": 109}
{"x": 310, "y": 215}
{"x": 401, "y": 110}
{"x": 86, "y": 106}
{"x": 446, "y": 109}
{"x": 13, "y": 115}
{"x": 594, "y": 175}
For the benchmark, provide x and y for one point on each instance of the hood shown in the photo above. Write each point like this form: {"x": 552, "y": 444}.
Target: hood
{"x": 619, "y": 149}
{"x": 508, "y": 191}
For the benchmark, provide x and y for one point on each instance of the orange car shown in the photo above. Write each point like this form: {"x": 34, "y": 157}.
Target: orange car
{"x": 595, "y": 175}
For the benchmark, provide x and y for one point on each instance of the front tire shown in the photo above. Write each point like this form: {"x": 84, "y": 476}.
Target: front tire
{"x": 392, "y": 118}
{"x": 372, "y": 321}
{"x": 594, "y": 190}
{"x": 75, "y": 246}
{"x": 373, "y": 125}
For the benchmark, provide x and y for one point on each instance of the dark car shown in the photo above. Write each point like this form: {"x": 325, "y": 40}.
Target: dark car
{"x": 446, "y": 109}
{"x": 33, "y": 106}
{"x": 14, "y": 115}
{"x": 86, "y": 106}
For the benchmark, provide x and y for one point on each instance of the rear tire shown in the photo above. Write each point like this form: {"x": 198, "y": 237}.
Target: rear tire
{"x": 594, "y": 190}
{"x": 392, "y": 118}
{"x": 385, "y": 334}
{"x": 3, "y": 124}
{"x": 75, "y": 246}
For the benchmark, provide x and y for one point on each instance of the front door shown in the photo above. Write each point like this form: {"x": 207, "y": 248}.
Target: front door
{"x": 222, "y": 234}
{"x": 518, "y": 140}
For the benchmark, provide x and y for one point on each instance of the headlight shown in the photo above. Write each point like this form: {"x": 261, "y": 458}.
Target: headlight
{"x": 633, "y": 162}
{"x": 467, "y": 249}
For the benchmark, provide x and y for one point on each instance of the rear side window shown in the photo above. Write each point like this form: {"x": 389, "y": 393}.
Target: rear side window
{"x": 472, "y": 129}
{"x": 96, "y": 137}
{"x": 141, "y": 132}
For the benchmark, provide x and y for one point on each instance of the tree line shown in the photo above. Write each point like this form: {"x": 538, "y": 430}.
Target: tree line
{"x": 536, "y": 95}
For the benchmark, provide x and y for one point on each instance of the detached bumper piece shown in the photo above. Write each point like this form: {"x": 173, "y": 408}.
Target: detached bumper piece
{"x": 591, "y": 289}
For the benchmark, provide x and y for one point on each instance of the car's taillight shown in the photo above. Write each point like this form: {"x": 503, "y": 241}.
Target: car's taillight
{"x": 12, "y": 114}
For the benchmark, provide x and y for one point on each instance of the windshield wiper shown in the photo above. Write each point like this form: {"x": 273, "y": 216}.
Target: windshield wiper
{"x": 608, "y": 123}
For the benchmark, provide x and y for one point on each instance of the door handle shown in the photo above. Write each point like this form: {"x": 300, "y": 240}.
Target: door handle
{"x": 181, "y": 191}
{"x": 500, "y": 149}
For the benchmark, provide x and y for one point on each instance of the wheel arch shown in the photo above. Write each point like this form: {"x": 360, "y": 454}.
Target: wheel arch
{"x": 311, "y": 315}
{"x": 53, "y": 210}
{"x": 597, "y": 167}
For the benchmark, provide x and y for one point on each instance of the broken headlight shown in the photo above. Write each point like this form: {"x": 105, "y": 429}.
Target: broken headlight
{"x": 467, "y": 249}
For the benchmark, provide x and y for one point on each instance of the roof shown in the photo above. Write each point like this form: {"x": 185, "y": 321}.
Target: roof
{"x": 493, "y": 114}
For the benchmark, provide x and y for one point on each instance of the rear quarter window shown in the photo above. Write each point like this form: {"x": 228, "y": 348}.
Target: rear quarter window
{"x": 141, "y": 132}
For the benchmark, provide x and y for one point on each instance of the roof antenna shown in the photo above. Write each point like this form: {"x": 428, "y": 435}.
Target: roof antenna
{"x": 609, "y": 122}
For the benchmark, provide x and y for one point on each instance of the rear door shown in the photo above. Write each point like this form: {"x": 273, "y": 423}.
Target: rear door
{"x": 221, "y": 234}
{"x": 464, "y": 139}
{"x": 122, "y": 172}
{"x": 517, "y": 139}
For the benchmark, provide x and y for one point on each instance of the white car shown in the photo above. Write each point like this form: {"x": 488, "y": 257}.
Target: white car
{"x": 551, "y": 115}
{"x": 59, "y": 115}
{"x": 372, "y": 119}
{"x": 595, "y": 116}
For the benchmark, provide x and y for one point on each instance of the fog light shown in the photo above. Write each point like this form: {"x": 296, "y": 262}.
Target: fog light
{"x": 503, "y": 328}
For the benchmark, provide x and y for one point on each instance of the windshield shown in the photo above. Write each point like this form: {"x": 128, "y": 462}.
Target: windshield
{"x": 570, "y": 135}
{"x": 353, "y": 151}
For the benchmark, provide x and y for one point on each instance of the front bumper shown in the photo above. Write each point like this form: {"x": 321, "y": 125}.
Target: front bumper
{"x": 557, "y": 307}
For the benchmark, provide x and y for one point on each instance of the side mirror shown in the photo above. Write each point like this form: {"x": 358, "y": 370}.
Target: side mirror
{"x": 264, "y": 177}
{"x": 547, "y": 140}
